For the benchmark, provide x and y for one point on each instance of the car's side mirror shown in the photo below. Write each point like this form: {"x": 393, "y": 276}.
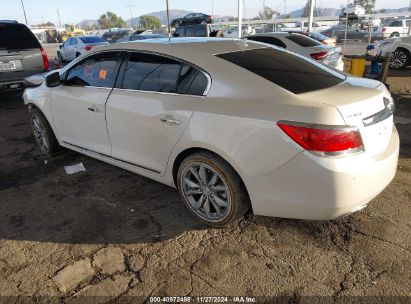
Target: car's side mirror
{"x": 53, "y": 80}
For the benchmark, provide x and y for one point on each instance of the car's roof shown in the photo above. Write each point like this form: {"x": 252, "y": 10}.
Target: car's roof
{"x": 198, "y": 45}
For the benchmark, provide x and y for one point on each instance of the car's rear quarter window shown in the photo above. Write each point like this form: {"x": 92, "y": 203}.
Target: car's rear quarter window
{"x": 15, "y": 36}
{"x": 303, "y": 41}
{"x": 92, "y": 39}
{"x": 293, "y": 73}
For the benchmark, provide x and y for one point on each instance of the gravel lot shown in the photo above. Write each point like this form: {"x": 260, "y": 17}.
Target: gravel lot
{"x": 116, "y": 235}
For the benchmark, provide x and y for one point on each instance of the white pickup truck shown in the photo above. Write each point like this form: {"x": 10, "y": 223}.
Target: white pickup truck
{"x": 395, "y": 28}
{"x": 304, "y": 26}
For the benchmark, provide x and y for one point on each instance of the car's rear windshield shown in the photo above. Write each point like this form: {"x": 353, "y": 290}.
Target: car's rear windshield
{"x": 302, "y": 40}
{"x": 92, "y": 39}
{"x": 15, "y": 36}
{"x": 291, "y": 72}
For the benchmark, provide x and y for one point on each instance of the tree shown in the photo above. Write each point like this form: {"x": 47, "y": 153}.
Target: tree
{"x": 110, "y": 20}
{"x": 150, "y": 22}
{"x": 368, "y": 5}
{"x": 267, "y": 13}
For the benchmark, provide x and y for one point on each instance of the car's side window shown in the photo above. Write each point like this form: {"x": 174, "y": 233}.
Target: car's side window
{"x": 154, "y": 73}
{"x": 67, "y": 42}
{"x": 73, "y": 41}
{"x": 98, "y": 71}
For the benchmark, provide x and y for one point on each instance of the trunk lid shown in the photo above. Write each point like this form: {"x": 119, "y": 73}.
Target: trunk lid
{"x": 365, "y": 104}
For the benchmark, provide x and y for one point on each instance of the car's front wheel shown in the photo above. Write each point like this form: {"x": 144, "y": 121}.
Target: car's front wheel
{"x": 400, "y": 58}
{"x": 211, "y": 189}
{"x": 43, "y": 134}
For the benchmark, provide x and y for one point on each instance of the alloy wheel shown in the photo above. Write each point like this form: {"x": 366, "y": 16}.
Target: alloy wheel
{"x": 206, "y": 192}
{"x": 40, "y": 133}
{"x": 399, "y": 59}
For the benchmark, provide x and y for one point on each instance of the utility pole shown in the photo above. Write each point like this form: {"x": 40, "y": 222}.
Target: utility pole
{"x": 168, "y": 22}
{"x": 131, "y": 13}
{"x": 240, "y": 18}
{"x": 24, "y": 11}
{"x": 311, "y": 16}
{"x": 58, "y": 15}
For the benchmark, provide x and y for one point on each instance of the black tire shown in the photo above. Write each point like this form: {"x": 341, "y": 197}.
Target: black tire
{"x": 78, "y": 55}
{"x": 236, "y": 197}
{"x": 47, "y": 135}
{"x": 400, "y": 58}
{"x": 395, "y": 34}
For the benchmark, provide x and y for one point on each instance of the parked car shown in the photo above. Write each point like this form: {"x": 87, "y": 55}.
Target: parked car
{"x": 232, "y": 31}
{"x": 21, "y": 55}
{"x": 304, "y": 46}
{"x": 401, "y": 51}
{"x": 354, "y": 32}
{"x": 303, "y": 26}
{"x": 317, "y": 36}
{"x": 193, "y": 18}
{"x": 77, "y": 46}
{"x": 395, "y": 28}
{"x": 198, "y": 30}
{"x": 135, "y": 37}
{"x": 113, "y": 36}
{"x": 232, "y": 124}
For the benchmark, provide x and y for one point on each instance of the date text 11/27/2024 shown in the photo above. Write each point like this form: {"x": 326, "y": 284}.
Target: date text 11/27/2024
{"x": 187, "y": 299}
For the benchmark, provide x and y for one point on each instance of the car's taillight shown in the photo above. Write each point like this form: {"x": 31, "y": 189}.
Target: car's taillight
{"x": 319, "y": 56}
{"x": 88, "y": 48}
{"x": 323, "y": 139}
{"x": 384, "y": 29}
{"x": 45, "y": 59}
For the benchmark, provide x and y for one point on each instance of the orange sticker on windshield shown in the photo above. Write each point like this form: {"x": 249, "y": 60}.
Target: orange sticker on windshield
{"x": 102, "y": 74}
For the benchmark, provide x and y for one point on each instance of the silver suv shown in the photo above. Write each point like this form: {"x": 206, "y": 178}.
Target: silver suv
{"x": 21, "y": 55}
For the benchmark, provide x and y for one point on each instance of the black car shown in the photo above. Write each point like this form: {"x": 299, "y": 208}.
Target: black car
{"x": 193, "y": 18}
{"x": 198, "y": 30}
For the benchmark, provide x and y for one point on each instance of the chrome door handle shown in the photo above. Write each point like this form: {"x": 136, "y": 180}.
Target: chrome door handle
{"x": 170, "y": 121}
{"x": 93, "y": 109}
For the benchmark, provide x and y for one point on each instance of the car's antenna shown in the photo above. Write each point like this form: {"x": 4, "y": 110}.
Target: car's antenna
{"x": 168, "y": 22}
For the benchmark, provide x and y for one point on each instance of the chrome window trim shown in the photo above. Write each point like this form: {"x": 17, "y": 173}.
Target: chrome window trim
{"x": 156, "y": 92}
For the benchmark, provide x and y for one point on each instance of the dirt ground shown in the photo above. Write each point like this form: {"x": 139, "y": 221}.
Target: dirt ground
{"x": 109, "y": 235}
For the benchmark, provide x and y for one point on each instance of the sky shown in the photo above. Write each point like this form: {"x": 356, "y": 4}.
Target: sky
{"x": 74, "y": 11}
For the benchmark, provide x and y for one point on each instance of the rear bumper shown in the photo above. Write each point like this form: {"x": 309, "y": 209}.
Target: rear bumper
{"x": 18, "y": 83}
{"x": 311, "y": 187}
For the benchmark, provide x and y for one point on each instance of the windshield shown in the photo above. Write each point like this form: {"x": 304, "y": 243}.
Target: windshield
{"x": 92, "y": 39}
{"x": 291, "y": 72}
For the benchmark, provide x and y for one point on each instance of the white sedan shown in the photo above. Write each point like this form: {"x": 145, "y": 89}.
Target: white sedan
{"x": 77, "y": 46}
{"x": 400, "y": 47}
{"x": 234, "y": 125}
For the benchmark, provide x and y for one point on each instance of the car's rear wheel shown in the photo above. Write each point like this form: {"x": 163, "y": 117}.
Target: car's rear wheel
{"x": 395, "y": 34}
{"x": 211, "y": 189}
{"x": 400, "y": 58}
{"x": 43, "y": 134}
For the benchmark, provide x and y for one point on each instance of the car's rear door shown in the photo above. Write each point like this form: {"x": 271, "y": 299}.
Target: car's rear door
{"x": 20, "y": 52}
{"x": 78, "y": 105}
{"x": 150, "y": 107}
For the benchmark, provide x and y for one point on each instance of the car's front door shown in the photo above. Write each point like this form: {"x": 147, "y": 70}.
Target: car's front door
{"x": 150, "y": 107}
{"x": 73, "y": 48}
{"x": 78, "y": 105}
